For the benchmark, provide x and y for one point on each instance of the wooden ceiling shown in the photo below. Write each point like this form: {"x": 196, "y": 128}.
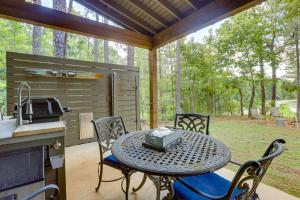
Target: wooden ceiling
{"x": 149, "y": 23}
{"x": 145, "y": 16}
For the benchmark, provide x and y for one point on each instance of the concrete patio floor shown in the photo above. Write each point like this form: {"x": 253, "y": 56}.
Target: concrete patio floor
{"x": 81, "y": 172}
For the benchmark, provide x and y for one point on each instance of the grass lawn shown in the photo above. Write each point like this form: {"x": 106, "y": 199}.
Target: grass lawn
{"x": 248, "y": 140}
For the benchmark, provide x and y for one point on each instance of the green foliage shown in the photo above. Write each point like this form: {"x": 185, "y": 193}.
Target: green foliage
{"x": 141, "y": 60}
{"x": 228, "y": 63}
{"x": 286, "y": 111}
{"x": 239, "y": 136}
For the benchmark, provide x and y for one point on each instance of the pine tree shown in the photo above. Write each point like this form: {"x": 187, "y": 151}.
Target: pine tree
{"x": 37, "y": 36}
{"x": 59, "y": 36}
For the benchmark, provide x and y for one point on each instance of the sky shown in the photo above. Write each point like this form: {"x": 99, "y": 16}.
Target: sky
{"x": 200, "y": 34}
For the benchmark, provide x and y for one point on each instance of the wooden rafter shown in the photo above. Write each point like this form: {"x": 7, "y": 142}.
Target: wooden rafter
{"x": 129, "y": 15}
{"x": 105, "y": 11}
{"x": 171, "y": 9}
{"x": 149, "y": 12}
{"x": 207, "y": 15}
{"x": 38, "y": 15}
{"x": 193, "y": 4}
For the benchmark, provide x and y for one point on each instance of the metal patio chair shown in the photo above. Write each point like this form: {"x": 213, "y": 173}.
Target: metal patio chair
{"x": 211, "y": 186}
{"x": 255, "y": 113}
{"x": 192, "y": 122}
{"x": 274, "y": 112}
{"x": 108, "y": 129}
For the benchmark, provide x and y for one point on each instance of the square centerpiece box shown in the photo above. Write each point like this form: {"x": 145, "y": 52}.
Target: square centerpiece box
{"x": 162, "y": 138}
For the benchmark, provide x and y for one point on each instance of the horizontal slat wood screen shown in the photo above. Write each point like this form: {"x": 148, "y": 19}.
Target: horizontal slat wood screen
{"x": 82, "y": 96}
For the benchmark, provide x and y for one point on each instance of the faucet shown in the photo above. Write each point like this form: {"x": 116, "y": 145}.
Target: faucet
{"x": 29, "y": 110}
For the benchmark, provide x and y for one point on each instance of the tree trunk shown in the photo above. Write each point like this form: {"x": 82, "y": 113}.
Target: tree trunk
{"x": 37, "y": 36}
{"x": 298, "y": 69}
{"x": 178, "y": 77}
{"x": 96, "y": 45}
{"x": 88, "y": 48}
{"x": 251, "y": 99}
{"x": 252, "y": 83}
{"x": 193, "y": 94}
{"x": 66, "y": 33}
{"x": 274, "y": 76}
{"x": 159, "y": 69}
{"x": 59, "y": 36}
{"x": 262, "y": 88}
{"x": 160, "y": 63}
{"x": 130, "y": 55}
{"x": 105, "y": 47}
{"x": 274, "y": 85}
{"x": 241, "y": 102}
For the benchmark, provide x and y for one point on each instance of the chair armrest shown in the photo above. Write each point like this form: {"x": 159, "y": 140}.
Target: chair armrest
{"x": 191, "y": 187}
{"x": 236, "y": 163}
{"x": 171, "y": 128}
{"x": 42, "y": 190}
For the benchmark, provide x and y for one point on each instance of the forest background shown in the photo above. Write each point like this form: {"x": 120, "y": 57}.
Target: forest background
{"x": 250, "y": 60}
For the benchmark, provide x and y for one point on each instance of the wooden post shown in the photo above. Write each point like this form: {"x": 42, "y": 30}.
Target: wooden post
{"x": 153, "y": 87}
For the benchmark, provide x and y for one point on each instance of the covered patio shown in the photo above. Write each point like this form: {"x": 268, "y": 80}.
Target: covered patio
{"x": 144, "y": 24}
{"x": 81, "y": 164}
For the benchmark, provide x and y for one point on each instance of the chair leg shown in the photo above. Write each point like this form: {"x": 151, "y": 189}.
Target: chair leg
{"x": 254, "y": 196}
{"x": 141, "y": 184}
{"x": 100, "y": 172}
{"x": 127, "y": 177}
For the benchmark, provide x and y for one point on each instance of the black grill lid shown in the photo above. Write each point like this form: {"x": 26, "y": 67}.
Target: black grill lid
{"x": 44, "y": 108}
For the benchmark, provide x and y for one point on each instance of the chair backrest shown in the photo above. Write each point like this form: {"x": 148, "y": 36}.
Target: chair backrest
{"x": 251, "y": 173}
{"x": 108, "y": 129}
{"x": 274, "y": 111}
{"x": 192, "y": 122}
{"x": 255, "y": 112}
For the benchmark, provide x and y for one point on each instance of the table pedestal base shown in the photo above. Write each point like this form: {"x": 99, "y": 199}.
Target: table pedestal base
{"x": 161, "y": 183}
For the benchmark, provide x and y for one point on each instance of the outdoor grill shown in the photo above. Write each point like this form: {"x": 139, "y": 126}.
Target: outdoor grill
{"x": 44, "y": 110}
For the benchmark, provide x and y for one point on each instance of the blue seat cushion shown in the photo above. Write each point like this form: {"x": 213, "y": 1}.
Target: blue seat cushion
{"x": 111, "y": 160}
{"x": 209, "y": 183}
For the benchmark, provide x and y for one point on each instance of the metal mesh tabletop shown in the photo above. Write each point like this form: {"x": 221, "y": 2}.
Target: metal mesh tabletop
{"x": 198, "y": 153}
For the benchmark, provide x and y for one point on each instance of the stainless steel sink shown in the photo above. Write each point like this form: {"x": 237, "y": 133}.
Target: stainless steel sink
{"x": 7, "y": 127}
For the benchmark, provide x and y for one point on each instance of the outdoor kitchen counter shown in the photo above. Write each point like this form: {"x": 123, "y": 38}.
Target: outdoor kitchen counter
{"x": 39, "y": 128}
{"x": 8, "y": 130}
{"x": 50, "y": 135}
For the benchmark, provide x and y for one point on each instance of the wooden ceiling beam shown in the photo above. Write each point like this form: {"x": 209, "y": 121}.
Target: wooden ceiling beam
{"x": 105, "y": 11}
{"x": 129, "y": 15}
{"x": 20, "y": 10}
{"x": 171, "y": 9}
{"x": 207, "y": 15}
{"x": 149, "y": 12}
{"x": 193, "y": 4}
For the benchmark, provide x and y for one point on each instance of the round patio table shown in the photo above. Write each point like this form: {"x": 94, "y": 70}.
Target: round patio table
{"x": 196, "y": 154}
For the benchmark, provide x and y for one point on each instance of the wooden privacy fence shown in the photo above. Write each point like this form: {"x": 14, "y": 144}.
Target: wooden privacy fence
{"x": 117, "y": 93}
